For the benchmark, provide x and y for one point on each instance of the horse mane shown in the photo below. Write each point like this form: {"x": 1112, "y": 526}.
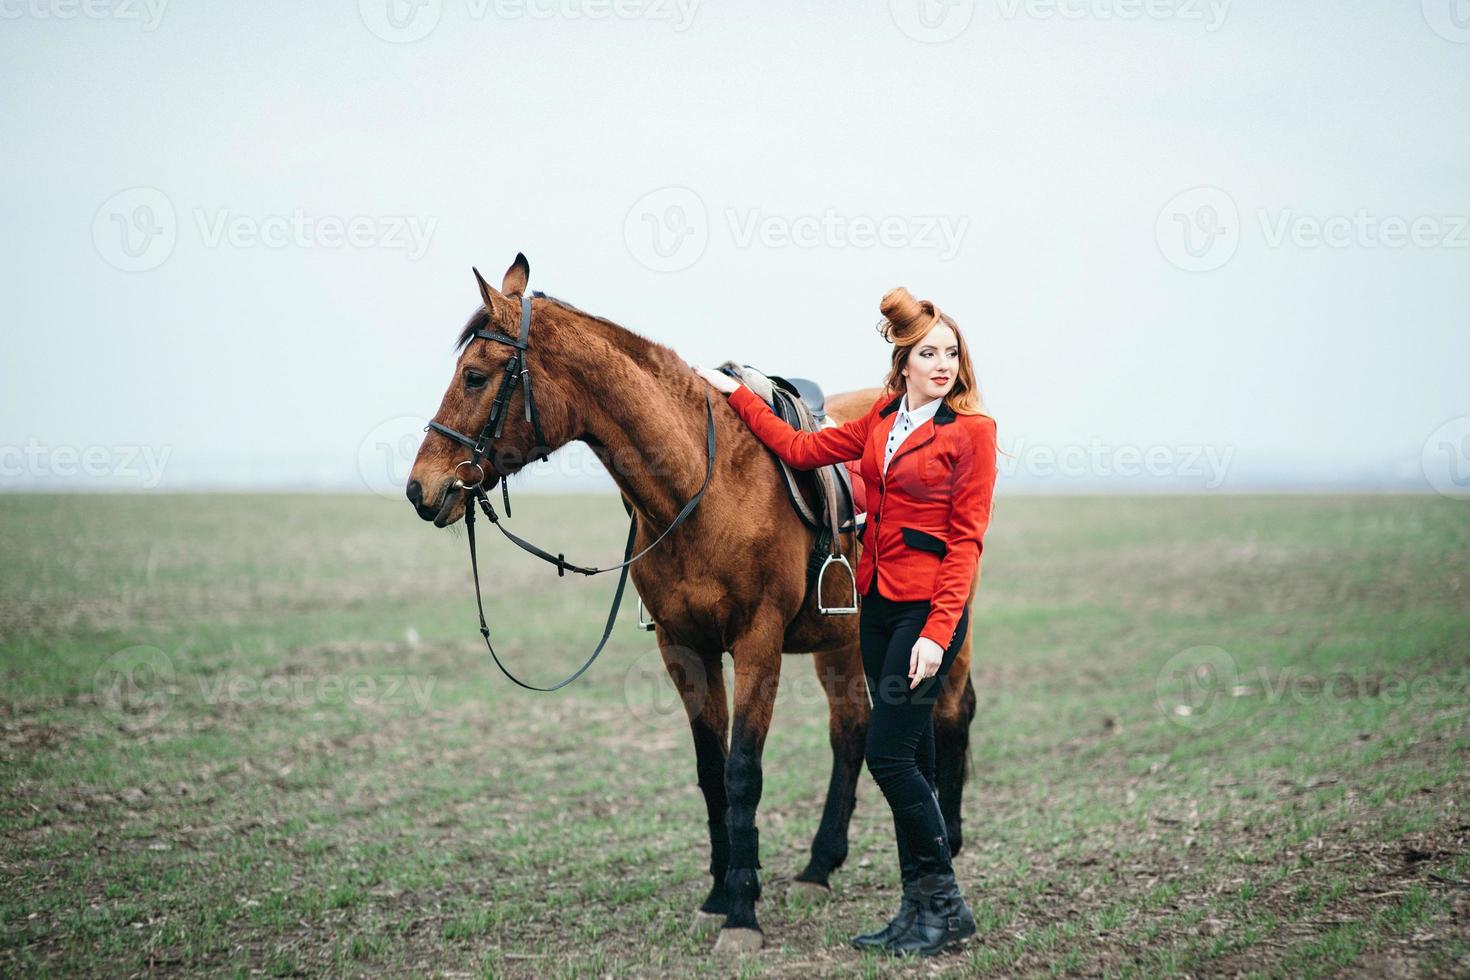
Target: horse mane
{"x": 480, "y": 320}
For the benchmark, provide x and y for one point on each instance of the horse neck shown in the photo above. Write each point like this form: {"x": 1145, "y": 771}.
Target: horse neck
{"x": 643, "y": 414}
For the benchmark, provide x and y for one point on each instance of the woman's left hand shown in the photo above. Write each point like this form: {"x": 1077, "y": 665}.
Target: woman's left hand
{"x": 720, "y": 381}
{"x": 924, "y": 660}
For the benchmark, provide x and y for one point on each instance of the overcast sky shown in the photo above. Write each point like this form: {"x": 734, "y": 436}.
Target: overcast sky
{"x": 1211, "y": 244}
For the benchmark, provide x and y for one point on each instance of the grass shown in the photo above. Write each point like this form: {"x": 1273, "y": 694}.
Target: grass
{"x": 259, "y": 735}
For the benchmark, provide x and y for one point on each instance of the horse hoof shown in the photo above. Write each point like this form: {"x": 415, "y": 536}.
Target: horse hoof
{"x": 810, "y": 891}
{"x": 705, "y": 923}
{"x": 739, "y": 941}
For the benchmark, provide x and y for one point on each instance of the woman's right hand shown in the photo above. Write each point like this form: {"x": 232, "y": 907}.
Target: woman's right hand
{"x": 720, "y": 381}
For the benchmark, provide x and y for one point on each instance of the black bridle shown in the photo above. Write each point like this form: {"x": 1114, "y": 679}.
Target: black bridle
{"x": 517, "y": 371}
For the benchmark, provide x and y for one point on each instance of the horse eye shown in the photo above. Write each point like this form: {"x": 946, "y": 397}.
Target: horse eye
{"x": 474, "y": 379}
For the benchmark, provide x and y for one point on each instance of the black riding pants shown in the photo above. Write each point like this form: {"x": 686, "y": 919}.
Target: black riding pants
{"x": 900, "y": 747}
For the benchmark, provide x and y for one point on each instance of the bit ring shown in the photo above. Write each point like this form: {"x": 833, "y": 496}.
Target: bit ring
{"x": 459, "y": 484}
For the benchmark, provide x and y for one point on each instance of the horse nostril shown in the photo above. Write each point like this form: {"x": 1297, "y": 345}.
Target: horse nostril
{"x": 415, "y": 492}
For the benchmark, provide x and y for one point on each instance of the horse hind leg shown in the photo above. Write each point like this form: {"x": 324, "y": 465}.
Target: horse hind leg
{"x": 953, "y": 714}
{"x": 700, "y": 681}
{"x": 840, "y": 672}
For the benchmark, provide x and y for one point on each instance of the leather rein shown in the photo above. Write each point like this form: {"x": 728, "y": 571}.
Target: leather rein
{"x": 517, "y": 371}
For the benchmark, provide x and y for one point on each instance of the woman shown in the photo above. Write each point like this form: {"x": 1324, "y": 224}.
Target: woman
{"x": 928, "y": 459}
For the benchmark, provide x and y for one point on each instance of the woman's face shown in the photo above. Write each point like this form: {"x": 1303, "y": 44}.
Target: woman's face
{"x": 933, "y": 365}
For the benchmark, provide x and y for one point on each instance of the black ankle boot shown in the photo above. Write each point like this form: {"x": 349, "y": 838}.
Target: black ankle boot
{"x": 908, "y": 906}
{"x": 942, "y": 918}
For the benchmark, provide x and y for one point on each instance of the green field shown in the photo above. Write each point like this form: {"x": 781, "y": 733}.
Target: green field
{"x": 259, "y": 735}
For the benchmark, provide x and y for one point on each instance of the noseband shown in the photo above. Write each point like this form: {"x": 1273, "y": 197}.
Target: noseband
{"x": 518, "y": 371}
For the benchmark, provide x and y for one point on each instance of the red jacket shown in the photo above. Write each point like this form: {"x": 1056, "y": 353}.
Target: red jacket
{"x": 925, "y": 532}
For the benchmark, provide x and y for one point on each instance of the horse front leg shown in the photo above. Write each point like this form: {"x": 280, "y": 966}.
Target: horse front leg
{"x": 700, "y": 680}
{"x": 757, "y": 657}
{"x": 841, "y": 674}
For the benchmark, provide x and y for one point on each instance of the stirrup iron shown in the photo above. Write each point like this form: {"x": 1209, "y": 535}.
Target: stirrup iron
{"x": 644, "y": 624}
{"x": 847, "y": 610}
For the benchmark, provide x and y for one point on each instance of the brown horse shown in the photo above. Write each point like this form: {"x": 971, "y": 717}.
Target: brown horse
{"x": 732, "y": 577}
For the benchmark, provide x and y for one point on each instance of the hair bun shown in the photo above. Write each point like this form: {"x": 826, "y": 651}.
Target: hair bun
{"x": 903, "y": 312}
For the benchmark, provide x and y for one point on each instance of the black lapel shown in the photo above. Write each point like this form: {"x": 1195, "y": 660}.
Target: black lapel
{"x": 943, "y": 416}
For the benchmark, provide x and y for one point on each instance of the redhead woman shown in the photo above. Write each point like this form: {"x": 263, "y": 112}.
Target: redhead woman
{"x": 928, "y": 450}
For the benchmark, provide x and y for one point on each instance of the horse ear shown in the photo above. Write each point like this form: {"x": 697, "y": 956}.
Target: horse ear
{"x": 516, "y": 276}
{"x": 488, "y": 295}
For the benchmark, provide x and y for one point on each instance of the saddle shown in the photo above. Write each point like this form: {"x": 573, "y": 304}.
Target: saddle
{"x": 800, "y": 403}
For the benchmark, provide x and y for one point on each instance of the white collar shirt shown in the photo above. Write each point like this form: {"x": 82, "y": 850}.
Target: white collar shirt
{"x": 907, "y": 422}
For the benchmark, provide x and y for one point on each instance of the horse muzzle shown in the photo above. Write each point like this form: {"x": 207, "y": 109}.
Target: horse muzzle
{"x": 437, "y": 508}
